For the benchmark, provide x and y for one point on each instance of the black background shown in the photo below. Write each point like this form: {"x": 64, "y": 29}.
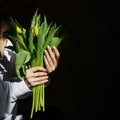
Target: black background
{"x": 85, "y": 85}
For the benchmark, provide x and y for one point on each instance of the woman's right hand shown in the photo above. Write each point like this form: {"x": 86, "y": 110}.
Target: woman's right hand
{"x": 36, "y": 76}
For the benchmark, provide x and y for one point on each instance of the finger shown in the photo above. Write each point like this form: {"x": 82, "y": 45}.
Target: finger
{"x": 39, "y": 74}
{"x": 35, "y": 74}
{"x": 51, "y": 54}
{"x": 50, "y": 62}
{"x": 48, "y": 68}
{"x": 37, "y": 79}
{"x": 39, "y": 83}
{"x": 57, "y": 53}
{"x": 40, "y": 78}
{"x": 38, "y": 68}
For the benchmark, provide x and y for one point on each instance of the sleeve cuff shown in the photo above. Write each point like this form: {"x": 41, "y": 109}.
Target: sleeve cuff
{"x": 21, "y": 90}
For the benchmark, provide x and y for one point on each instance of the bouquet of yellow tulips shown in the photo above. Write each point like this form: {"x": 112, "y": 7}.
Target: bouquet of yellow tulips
{"x": 29, "y": 46}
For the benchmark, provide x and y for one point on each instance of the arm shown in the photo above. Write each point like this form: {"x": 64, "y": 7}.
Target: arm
{"x": 13, "y": 90}
{"x": 35, "y": 76}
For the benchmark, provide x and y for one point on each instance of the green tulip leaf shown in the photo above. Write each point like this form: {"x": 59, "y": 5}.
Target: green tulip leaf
{"x": 22, "y": 58}
{"x": 55, "y": 41}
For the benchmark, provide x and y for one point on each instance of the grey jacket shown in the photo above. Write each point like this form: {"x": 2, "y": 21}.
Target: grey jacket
{"x": 11, "y": 89}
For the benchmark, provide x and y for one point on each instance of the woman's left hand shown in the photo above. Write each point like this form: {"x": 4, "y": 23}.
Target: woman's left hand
{"x": 51, "y": 58}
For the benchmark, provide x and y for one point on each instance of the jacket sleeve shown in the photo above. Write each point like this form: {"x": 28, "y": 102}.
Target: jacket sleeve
{"x": 19, "y": 90}
{"x": 14, "y": 90}
{"x": 9, "y": 85}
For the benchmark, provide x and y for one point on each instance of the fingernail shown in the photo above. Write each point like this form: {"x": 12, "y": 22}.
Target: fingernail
{"x": 45, "y": 70}
{"x": 54, "y": 47}
{"x": 48, "y": 46}
{"x": 47, "y": 80}
{"x": 45, "y": 51}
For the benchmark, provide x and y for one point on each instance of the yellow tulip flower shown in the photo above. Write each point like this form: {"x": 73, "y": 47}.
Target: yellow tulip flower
{"x": 36, "y": 30}
{"x": 18, "y": 29}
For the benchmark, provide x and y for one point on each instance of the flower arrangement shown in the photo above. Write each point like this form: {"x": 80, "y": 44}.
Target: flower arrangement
{"x": 29, "y": 46}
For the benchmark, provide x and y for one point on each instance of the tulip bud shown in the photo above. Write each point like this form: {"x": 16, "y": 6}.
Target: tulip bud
{"x": 36, "y": 30}
{"x": 18, "y": 29}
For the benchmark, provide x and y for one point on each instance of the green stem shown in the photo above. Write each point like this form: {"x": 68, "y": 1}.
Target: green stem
{"x": 43, "y": 92}
{"x": 37, "y": 97}
{"x": 33, "y": 103}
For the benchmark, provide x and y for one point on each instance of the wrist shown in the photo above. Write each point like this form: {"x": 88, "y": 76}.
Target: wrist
{"x": 27, "y": 83}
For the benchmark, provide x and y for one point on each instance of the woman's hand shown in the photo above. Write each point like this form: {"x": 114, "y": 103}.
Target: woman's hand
{"x": 51, "y": 59}
{"x": 39, "y": 75}
{"x": 36, "y": 76}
